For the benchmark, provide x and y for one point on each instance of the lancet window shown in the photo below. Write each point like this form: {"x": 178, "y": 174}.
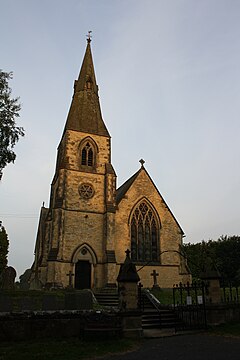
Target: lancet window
{"x": 144, "y": 234}
{"x": 87, "y": 154}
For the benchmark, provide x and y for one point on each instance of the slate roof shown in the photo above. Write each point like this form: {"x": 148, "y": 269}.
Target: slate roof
{"x": 125, "y": 186}
{"x": 85, "y": 112}
{"x": 41, "y": 226}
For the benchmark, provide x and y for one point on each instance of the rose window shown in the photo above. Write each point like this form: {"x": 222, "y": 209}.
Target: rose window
{"x": 86, "y": 191}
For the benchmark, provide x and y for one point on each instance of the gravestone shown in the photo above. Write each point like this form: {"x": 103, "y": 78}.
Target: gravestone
{"x": 8, "y": 276}
{"x": 25, "y": 279}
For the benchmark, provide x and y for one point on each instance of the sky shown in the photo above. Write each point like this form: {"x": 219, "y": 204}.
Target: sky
{"x": 169, "y": 85}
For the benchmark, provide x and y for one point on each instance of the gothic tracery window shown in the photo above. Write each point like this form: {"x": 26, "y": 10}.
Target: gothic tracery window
{"x": 87, "y": 155}
{"x": 144, "y": 234}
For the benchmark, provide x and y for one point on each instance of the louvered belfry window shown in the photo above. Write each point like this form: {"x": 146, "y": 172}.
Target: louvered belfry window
{"x": 87, "y": 155}
{"x": 144, "y": 234}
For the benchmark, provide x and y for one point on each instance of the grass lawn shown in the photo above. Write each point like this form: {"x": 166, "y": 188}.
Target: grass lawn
{"x": 230, "y": 329}
{"x": 165, "y": 296}
{"x": 75, "y": 349}
{"x": 70, "y": 349}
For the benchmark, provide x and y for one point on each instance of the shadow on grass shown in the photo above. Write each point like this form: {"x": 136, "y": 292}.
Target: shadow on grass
{"x": 64, "y": 349}
{"x": 230, "y": 329}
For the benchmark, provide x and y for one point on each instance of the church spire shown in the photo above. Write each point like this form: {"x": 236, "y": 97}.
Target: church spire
{"x": 85, "y": 112}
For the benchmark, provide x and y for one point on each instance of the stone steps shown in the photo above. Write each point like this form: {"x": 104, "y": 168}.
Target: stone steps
{"x": 107, "y": 297}
{"x": 156, "y": 319}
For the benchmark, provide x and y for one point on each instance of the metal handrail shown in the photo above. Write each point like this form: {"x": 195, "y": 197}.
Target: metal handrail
{"x": 156, "y": 303}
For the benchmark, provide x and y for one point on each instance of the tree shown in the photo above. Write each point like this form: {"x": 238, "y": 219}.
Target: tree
{"x": 4, "y": 243}
{"x": 196, "y": 257}
{"x": 9, "y": 132}
{"x": 224, "y": 253}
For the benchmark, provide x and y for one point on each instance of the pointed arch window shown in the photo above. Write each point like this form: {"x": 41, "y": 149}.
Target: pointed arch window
{"x": 87, "y": 155}
{"x": 144, "y": 234}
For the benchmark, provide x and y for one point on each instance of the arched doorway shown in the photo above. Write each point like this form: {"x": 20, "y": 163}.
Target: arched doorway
{"x": 83, "y": 274}
{"x": 84, "y": 261}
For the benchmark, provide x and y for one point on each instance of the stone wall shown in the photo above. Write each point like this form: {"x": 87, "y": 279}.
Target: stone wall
{"x": 169, "y": 268}
{"x": 81, "y": 221}
{"x": 64, "y": 324}
{"x": 168, "y": 276}
{"x": 222, "y": 313}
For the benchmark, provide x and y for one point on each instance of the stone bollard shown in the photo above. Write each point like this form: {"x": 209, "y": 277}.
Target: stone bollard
{"x": 211, "y": 277}
{"x": 128, "y": 298}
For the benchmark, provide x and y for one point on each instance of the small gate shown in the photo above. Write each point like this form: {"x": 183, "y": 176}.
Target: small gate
{"x": 189, "y": 306}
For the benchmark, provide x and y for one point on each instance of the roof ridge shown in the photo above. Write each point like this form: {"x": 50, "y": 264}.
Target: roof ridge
{"x": 121, "y": 191}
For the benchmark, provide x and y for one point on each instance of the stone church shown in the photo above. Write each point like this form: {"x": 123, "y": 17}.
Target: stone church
{"x": 90, "y": 223}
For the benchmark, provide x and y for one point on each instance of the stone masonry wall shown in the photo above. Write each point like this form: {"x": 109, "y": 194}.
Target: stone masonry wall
{"x": 81, "y": 221}
{"x": 170, "y": 232}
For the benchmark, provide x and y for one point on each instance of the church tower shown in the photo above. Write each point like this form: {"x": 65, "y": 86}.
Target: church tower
{"x": 74, "y": 243}
{"x": 83, "y": 235}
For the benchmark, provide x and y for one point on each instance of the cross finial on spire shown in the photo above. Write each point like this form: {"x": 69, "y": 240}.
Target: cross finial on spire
{"x": 89, "y": 36}
{"x": 142, "y": 162}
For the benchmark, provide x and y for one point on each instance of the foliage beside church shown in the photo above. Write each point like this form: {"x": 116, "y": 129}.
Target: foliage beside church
{"x": 4, "y": 243}
{"x": 224, "y": 253}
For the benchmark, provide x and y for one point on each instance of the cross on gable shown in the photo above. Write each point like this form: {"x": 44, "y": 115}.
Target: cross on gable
{"x": 128, "y": 253}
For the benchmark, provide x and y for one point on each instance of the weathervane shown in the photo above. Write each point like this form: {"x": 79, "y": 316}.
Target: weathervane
{"x": 89, "y": 36}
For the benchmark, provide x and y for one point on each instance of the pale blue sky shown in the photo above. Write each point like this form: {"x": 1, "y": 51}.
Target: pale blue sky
{"x": 169, "y": 80}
